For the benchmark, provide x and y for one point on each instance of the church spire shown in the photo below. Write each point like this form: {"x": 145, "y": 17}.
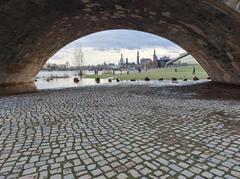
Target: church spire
{"x": 138, "y": 59}
{"x": 154, "y": 55}
{"x": 155, "y": 59}
{"x": 121, "y": 60}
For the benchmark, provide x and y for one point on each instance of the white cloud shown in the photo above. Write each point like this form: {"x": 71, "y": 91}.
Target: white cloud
{"x": 108, "y": 45}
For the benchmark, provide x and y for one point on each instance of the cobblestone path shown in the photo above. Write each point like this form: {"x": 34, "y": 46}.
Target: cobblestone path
{"x": 118, "y": 132}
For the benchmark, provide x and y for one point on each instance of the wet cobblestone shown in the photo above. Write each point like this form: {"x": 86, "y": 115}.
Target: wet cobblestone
{"x": 118, "y": 132}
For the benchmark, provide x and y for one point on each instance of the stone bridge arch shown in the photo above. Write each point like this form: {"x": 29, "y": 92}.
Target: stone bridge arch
{"x": 31, "y": 31}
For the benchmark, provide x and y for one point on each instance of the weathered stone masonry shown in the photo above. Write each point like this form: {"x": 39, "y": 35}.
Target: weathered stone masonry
{"x": 31, "y": 31}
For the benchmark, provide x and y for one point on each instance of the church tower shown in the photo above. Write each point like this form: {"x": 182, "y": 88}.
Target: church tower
{"x": 154, "y": 56}
{"x": 138, "y": 59}
{"x": 155, "y": 59}
{"x": 121, "y": 60}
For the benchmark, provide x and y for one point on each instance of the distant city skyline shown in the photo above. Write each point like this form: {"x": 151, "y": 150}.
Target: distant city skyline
{"x": 107, "y": 46}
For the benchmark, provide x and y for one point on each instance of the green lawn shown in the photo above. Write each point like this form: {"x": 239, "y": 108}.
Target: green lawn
{"x": 165, "y": 73}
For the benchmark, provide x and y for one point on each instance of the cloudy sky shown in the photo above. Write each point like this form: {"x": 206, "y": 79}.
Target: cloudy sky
{"x": 107, "y": 46}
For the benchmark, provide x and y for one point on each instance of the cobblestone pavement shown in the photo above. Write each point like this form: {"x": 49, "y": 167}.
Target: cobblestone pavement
{"x": 118, "y": 132}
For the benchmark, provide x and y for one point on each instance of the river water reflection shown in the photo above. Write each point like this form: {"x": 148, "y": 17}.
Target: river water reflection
{"x": 63, "y": 79}
{"x": 65, "y": 83}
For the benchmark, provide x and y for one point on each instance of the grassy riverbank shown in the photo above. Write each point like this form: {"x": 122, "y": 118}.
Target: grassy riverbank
{"x": 165, "y": 73}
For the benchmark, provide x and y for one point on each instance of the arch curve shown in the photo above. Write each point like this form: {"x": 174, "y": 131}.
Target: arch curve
{"x": 33, "y": 30}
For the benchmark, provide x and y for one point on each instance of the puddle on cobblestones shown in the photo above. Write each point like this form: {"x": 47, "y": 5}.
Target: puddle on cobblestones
{"x": 228, "y": 120}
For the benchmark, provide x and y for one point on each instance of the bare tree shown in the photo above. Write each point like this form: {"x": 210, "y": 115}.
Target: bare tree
{"x": 79, "y": 59}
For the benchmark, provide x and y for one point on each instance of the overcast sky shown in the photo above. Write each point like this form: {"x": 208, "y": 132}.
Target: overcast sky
{"x": 107, "y": 46}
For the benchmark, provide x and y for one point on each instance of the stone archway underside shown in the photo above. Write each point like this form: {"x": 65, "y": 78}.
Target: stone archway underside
{"x": 31, "y": 31}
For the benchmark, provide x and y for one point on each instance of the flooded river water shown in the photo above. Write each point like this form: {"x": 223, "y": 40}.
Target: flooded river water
{"x": 65, "y": 79}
